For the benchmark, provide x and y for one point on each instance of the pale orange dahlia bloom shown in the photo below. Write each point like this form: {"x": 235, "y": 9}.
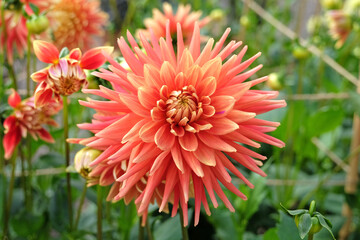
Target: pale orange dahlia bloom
{"x": 167, "y": 124}
{"x": 339, "y": 26}
{"x": 75, "y": 23}
{"x": 27, "y": 119}
{"x": 65, "y": 75}
{"x": 183, "y": 15}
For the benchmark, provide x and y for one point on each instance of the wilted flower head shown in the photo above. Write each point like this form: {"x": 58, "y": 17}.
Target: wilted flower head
{"x": 172, "y": 123}
{"x": 339, "y": 26}
{"x": 183, "y": 16}
{"x": 82, "y": 161}
{"x": 75, "y": 23}
{"x": 27, "y": 119}
{"x": 65, "y": 75}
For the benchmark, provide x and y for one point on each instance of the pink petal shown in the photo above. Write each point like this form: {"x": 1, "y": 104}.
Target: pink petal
{"x": 14, "y": 98}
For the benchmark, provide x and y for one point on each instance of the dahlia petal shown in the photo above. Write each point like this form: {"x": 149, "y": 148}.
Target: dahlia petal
{"x": 195, "y": 42}
{"x": 198, "y": 189}
{"x": 247, "y": 162}
{"x": 222, "y": 126}
{"x": 177, "y": 157}
{"x": 207, "y": 86}
{"x": 148, "y": 131}
{"x": 205, "y": 54}
{"x": 75, "y": 54}
{"x": 14, "y": 98}
{"x": 40, "y": 75}
{"x": 158, "y": 161}
{"x": 205, "y": 155}
{"x": 135, "y": 65}
{"x": 212, "y": 68}
{"x": 46, "y": 52}
{"x": 189, "y": 141}
{"x": 167, "y": 74}
{"x": 171, "y": 180}
{"x": 180, "y": 42}
{"x": 236, "y": 90}
{"x": 45, "y": 135}
{"x": 184, "y": 183}
{"x": 133, "y": 103}
{"x": 210, "y": 190}
{"x": 12, "y": 136}
{"x": 194, "y": 75}
{"x": 223, "y": 104}
{"x": 215, "y": 142}
{"x": 133, "y": 133}
{"x": 94, "y": 58}
{"x": 163, "y": 138}
{"x": 193, "y": 163}
{"x": 241, "y": 116}
{"x": 42, "y": 95}
{"x": 186, "y": 61}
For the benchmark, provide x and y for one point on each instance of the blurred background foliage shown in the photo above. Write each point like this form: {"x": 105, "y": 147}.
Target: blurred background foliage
{"x": 317, "y": 126}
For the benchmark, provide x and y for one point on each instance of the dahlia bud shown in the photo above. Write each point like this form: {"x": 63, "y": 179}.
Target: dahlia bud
{"x": 245, "y": 21}
{"x": 217, "y": 14}
{"x": 274, "y": 82}
{"x": 82, "y": 161}
{"x": 37, "y": 24}
{"x": 340, "y": 26}
{"x": 300, "y": 53}
{"x": 331, "y": 4}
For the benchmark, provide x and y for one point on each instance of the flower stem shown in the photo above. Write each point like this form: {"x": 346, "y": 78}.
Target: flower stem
{"x": 82, "y": 198}
{"x": 29, "y": 168}
{"x": 99, "y": 212}
{"x": 141, "y": 230}
{"x": 23, "y": 177}
{"x": 184, "y": 230}
{"x": 12, "y": 76}
{"x": 148, "y": 231}
{"x": 311, "y": 236}
{"x": 67, "y": 158}
{"x": 10, "y": 196}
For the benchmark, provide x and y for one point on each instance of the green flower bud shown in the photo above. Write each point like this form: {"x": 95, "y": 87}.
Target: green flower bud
{"x": 37, "y": 24}
{"x": 245, "y": 21}
{"x": 300, "y": 53}
{"x": 217, "y": 14}
{"x": 316, "y": 226}
{"x": 331, "y": 4}
{"x": 274, "y": 82}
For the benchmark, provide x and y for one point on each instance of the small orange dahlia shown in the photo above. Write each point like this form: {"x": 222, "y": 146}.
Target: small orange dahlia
{"x": 65, "y": 75}
{"x": 175, "y": 124}
{"x": 27, "y": 119}
{"x": 184, "y": 16}
{"x": 74, "y": 23}
{"x": 339, "y": 26}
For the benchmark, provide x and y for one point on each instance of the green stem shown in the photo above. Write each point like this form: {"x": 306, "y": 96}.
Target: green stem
{"x": 67, "y": 158}
{"x": 141, "y": 230}
{"x": 10, "y": 196}
{"x": 23, "y": 177}
{"x": 148, "y": 230}
{"x": 34, "y": 61}
{"x": 13, "y": 76}
{"x": 29, "y": 168}
{"x": 184, "y": 230}
{"x": 300, "y": 77}
{"x": 99, "y": 212}
{"x": 82, "y": 199}
{"x": 311, "y": 236}
{"x": 28, "y": 66}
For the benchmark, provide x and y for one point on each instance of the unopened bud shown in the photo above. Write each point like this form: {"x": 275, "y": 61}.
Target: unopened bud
{"x": 82, "y": 160}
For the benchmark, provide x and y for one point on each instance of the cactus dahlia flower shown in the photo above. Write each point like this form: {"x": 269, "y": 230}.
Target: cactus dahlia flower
{"x": 184, "y": 16}
{"x": 27, "y": 119}
{"x": 174, "y": 125}
{"x": 65, "y": 75}
{"x": 74, "y": 23}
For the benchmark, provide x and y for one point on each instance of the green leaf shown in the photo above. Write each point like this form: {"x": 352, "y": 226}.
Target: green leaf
{"x": 34, "y": 8}
{"x": 271, "y": 234}
{"x": 325, "y": 224}
{"x": 286, "y": 228}
{"x": 294, "y": 212}
{"x": 64, "y": 52}
{"x": 304, "y": 224}
{"x": 319, "y": 123}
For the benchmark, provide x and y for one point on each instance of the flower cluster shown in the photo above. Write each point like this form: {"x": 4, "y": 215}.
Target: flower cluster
{"x": 26, "y": 118}
{"x": 173, "y": 124}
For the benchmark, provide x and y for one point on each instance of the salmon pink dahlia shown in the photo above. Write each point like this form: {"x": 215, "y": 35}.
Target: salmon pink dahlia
{"x": 65, "y": 75}
{"x": 174, "y": 124}
{"x": 27, "y": 119}
{"x": 74, "y": 23}
{"x": 183, "y": 15}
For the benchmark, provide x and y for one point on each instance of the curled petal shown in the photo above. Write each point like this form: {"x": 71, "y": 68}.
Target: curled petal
{"x": 94, "y": 58}
{"x": 14, "y": 98}
{"x": 46, "y": 52}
